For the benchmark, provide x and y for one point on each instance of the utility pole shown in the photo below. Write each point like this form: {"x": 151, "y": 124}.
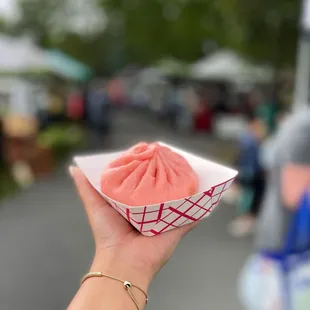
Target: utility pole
{"x": 302, "y": 79}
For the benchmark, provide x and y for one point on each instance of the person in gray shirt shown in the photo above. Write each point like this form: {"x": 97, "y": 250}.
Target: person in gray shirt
{"x": 289, "y": 177}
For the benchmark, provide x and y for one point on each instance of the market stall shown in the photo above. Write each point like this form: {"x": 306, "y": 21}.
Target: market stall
{"x": 227, "y": 66}
{"x": 229, "y": 74}
{"x": 36, "y": 87}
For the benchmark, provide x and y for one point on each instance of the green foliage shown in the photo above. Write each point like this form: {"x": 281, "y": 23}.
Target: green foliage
{"x": 268, "y": 29}
{"x": 261, "y": 29}
{"x": 61, "y": 134}
{"x": 144, "y": 31}
{"x": 39, "y": 17}
{"x": 153, "y": 29}
{"x": 88, "y": 50}
{"x": 62, "y": 139}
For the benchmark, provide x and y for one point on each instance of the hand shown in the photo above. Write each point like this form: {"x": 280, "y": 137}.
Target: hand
{"x": 119, "y": 247}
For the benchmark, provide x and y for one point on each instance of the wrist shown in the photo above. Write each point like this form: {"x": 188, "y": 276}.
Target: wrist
{"x": 117, "y": 266}
{"x": 106, "y": 293}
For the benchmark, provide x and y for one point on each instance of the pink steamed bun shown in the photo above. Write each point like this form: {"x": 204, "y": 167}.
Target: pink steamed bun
{"x": 148, "y": 174}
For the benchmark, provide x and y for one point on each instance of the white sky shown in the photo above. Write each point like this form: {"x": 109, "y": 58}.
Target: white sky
{"x": 8, "y": 8}
{"x": 85, "y": 17}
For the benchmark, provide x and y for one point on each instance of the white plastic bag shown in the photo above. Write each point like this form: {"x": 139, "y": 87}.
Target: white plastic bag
{"x": 262, "y": 284}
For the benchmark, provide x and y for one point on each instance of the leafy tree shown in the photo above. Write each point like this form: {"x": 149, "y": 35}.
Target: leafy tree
{"x": 39, "y": 17}
{"x": 51, "y": 25}
{"x": 142, "y": 32}
{"x": 268, "y": 30}
{"x": 156, "y": 28}
{"x": 261, "y": 29}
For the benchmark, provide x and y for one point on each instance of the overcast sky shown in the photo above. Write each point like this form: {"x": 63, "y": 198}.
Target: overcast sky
{"x": 85, "y": 15}
{"x": 8, "y": 8}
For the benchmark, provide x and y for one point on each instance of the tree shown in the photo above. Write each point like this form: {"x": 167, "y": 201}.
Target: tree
{"x": 268, "y": 30}
{"x": 260, "y": 29}
{"x": 39, "y": 17}
{"x": 156, "y": 28}
{"x": 58, "y": 23}
{"x": 142, "y": 32}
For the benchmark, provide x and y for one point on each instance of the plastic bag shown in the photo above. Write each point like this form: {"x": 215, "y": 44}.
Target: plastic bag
{"x": 261, "y": 285}
{"x": 281, "y": 281}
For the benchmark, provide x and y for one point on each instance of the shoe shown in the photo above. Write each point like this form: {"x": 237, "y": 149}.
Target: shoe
{"x": 241, "y": 226}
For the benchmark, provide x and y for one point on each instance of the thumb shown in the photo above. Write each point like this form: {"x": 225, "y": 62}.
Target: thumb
{"x": 103, "y": 219}
{"x": 92, "y": 201}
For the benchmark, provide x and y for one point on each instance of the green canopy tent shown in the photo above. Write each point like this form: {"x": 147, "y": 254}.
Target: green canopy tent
{"x": 68, "y": 67}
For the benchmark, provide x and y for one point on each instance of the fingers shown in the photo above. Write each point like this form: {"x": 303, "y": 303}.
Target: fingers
{"x": 104, "y": 220}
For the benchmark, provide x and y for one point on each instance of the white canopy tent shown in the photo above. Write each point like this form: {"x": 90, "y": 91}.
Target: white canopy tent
{"x": 150, "y": 88}
{"x": 227, "y": 66}
{"x": 19, "y": 95}
{"x": 21, "y": 55}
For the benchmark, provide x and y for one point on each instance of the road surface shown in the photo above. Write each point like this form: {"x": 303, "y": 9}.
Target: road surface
{"x": 46, "y": 246}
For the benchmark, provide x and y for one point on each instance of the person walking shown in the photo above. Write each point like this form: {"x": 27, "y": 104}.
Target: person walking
{"x": 251, "y": 179}
{"x": 272, "y": 279}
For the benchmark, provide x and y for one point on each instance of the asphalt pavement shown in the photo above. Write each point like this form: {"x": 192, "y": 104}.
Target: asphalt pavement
{"x": 46, "y": 245}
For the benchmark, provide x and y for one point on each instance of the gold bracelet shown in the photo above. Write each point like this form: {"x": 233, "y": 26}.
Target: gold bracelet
{"x": 127, "y": 285}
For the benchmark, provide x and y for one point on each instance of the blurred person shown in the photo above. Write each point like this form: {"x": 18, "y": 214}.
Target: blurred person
{"x": 121, "y": 254}
{"x": 268, "y": 145}
{"x": 288, "y": 178}
{"x": 269, "y": 279}
{"x": 203, "y": 113}
{"x": 86, "y": 96}
{"x": 267, "y": 109}
{"x": 139, "y": 96}
{"x": 116, "y": 91}
{"x": 41, "y": 102}
{"x": 170, "y": 110}
{"x": 251, "y": 178}
{"x": 188, "y": 105}
{"x": 75, "y": 106}
{"x": 154, "y": 93}
{"x": 99, "y": 109}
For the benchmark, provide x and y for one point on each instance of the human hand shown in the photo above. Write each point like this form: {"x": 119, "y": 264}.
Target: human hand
{"x": 120, "y": 249}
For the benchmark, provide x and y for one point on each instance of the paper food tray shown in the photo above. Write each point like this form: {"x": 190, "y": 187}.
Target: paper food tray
{"x": 150, "y": 220}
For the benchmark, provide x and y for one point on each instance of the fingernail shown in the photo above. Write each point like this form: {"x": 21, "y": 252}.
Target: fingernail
{"x": 71, "y": 170}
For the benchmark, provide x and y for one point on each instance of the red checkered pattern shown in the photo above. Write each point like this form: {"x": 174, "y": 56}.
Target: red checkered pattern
{"x": 156, "y": 219}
